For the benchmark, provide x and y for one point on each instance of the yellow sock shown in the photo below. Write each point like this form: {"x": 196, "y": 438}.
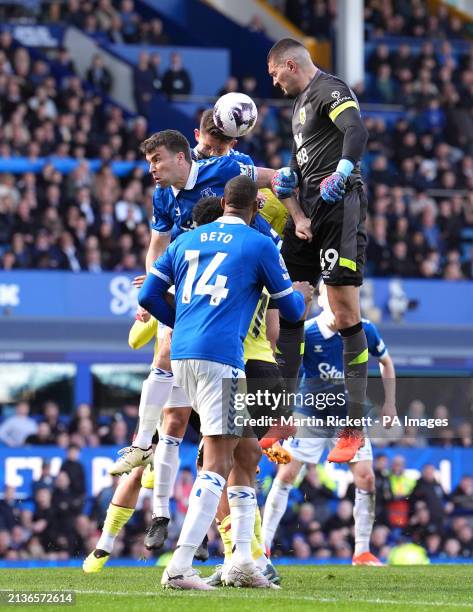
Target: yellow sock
{"x": 225, "y": 531}
{"x": 258, "y": 533}
{"x": 116, "y": 518}
{"x": 256, "y": 550}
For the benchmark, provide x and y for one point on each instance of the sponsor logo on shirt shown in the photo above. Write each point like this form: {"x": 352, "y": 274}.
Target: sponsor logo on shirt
{"x": 339, "y": 100}
{"x": 208, "y": 192}
{"x": 329, "y": 372}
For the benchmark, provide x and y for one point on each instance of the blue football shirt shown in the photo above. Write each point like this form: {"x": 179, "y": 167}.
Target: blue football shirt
{"x": 322, "y": 364}
{"x": 219, "y": 271}
{"x": 172, "y": 208}
{"x": 237, "y": 155}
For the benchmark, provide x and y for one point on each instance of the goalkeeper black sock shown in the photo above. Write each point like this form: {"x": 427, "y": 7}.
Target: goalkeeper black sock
{"x": 355, "y": 364}
{"x": 290, "y": 350}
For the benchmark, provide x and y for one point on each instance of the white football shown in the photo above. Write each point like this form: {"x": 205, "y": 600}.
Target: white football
{"x": 235, "y": 114}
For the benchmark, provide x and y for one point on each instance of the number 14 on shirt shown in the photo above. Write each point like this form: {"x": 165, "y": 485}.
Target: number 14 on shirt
{"x": 217, "y": 292}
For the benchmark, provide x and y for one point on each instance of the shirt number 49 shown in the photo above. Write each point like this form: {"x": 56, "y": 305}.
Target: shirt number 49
{"x": 330, "y": 257}
{"x": 217, "y": 292}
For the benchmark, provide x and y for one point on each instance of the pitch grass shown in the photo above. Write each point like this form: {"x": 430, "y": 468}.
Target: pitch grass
{"x": 305, "y": 588}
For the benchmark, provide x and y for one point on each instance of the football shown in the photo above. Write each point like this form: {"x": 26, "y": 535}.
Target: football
{"x": 235, "y": 114}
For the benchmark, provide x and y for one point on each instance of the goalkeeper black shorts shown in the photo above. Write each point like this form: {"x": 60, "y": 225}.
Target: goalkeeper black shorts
{"x": 338, "y": 249}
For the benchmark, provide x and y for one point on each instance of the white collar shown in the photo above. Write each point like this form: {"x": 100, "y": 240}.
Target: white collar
{"x": 191, "y": 179}
{"x": 231, "y": 220}
{"x": 323, "y": 327}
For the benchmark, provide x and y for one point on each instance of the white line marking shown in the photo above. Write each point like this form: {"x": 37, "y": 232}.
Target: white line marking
{"x": 249, "y": 595}
{"x": 279, "y": 595}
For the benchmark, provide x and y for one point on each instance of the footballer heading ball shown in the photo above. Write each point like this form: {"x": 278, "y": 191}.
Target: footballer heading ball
{"x": 235, "y": 114}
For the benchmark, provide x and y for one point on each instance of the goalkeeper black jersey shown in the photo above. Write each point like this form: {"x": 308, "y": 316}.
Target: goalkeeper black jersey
{"x": 323, "y": 113}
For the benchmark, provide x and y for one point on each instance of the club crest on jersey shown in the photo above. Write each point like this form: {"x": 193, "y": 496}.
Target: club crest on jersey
{"x": 208, "y": 192}
{"x": 302, "y": 115}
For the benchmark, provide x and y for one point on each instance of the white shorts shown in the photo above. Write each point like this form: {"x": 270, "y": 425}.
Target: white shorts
{"x": 178, "y": 398}
{"x": 309, "y": 449}
{"x": 211, "y": 397}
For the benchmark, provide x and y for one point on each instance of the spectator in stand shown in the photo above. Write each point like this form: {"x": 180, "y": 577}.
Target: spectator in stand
{"x": 69, "y": 256}
{"x": 66, "y": 505}
{"x": 117, "y": 434}
{"x": 465, "y": 434}
{"x": 42, "y": 437}
{"x": 106, "y": 14}
{"x": 114, "y": 33}
{"x": 462, "y": 497}
{"x": 383, "y": 488}
{"x": 301, "y": 13}
{"x": 143, "y": 84}
{"x": 231, "y": 85}
{"x": 46, "y": 479}
{"x": 379, "y": 253}
{"x": 176, "y": 80}
{"x": 317, "y": 490}
{"x": 9, "y": 514}
{"x": 322, "y": 19}
{"x": 130, "y": 21}
{"x": 156, "y": 35}
{"x": 401, "y": 263}
{"x": 156, "y": 72}
{"x": 75, "y": 470}
{"x": 465, "y": 537}
{"x": 402, "y": 485}
{"x": 99, "y": 76}
{"x": 428, "y": 490}
{"x": 249, "y": 85}
{"x": 421, "y": 524}
{"x": 16, "y": 428}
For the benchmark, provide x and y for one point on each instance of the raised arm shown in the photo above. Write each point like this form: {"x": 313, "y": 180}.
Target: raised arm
{"x": 283, "y": 183}
{"x": 388, "y": 375}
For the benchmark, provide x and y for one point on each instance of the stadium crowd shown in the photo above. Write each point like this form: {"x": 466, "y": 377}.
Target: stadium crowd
{"x": 419, "y": 165}
{"x": 382, "y": 18}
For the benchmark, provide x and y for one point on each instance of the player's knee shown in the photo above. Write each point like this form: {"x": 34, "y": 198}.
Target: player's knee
{"x": 365, "y": 480}
{"x": 219, "y": 464}
{"x": 163, "y": 358}
{"x": 346, "y": 317}
{"x": 175, "y": 422}
{"x": 136, "y": 473}
{"x": 287, "y": 473}
{"x": 247, "y": 454}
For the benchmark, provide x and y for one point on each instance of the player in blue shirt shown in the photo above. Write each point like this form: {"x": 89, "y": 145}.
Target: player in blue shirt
{"x": 211, "y": 142}
{"x": 181, "y": 182}
{"x": 219, "y": 271}
{"x": 322, "y": 367}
